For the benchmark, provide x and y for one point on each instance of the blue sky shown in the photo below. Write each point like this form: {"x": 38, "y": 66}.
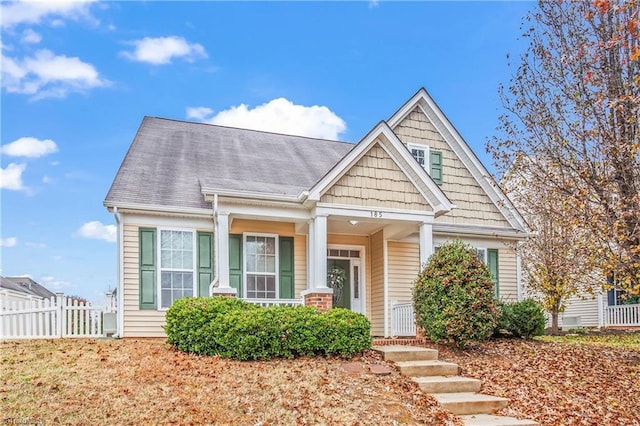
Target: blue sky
{"x": 77, "y": 78}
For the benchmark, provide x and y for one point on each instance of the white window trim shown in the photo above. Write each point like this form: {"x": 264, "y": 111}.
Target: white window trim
{"x": 159, "y": 262}
{"x": 244, "y": 261}
{"x": 485, "y": 257}
{"x": 427, "y": 158}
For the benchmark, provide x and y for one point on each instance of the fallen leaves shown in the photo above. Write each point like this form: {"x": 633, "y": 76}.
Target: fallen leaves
{"x": 147, "y": 382}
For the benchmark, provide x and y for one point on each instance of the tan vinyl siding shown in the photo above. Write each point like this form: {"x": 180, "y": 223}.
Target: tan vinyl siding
{"x": 473, "y": 205}
{"x": 586, "y": 310}
{"x": 286, "y": 229}
{"x": 137, "y": 323}
{"x": 300, "y": 262}
{"x": 404, "y": 266}
{"x": 377, "y": 284}
{"x": 376, "y": 181}
{"x": 507, "y": 275}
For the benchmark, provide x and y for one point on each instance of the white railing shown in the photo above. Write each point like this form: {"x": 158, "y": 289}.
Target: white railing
{"x": 403, "y": 319}
{"x": 622, "y": 315}
{"x": 59, "y": 316}
{"x": 274, "y": 302}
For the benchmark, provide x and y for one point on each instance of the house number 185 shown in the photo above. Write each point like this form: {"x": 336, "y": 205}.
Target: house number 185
{"x": 376, "y": 214}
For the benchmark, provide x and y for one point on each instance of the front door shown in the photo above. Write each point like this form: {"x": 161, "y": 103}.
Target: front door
{"x": 339, "y": 279}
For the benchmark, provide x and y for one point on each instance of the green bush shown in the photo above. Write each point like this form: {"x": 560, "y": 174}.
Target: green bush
{"x": 235, "y": 329}
{"x": 522, "y": 319}
{"x": 453, "y": 297}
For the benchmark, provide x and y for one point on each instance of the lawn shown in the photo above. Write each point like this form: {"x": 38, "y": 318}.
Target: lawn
{"x": 146, "y": 382}
{"x": 566, "y": 381}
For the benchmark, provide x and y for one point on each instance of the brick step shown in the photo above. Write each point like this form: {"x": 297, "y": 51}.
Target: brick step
{"x": 397, "y": 353}
{"x": 427, "y": 368}
{"x": 447, "y": 384}
{"x": 470, "y": 403}
{"x": 491, "y": 420}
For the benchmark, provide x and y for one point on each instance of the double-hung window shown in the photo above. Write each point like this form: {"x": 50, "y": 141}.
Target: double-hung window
{"x": 430, "y": 160}
{"x": 177, "y": 250}
{"x": 490, "y": 258}
{"x": 261, "y": 260}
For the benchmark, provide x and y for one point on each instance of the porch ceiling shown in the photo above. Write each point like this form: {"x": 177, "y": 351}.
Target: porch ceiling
{"x": 342, "y": 225}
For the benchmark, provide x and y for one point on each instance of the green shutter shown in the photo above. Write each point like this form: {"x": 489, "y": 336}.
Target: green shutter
{"x": 286, "y": 268}
{"x": 435, "y": 163}
{"x": 148, "y": 281}
{"x": 235, "y": 263}
{"x": 492, "y": 263}
{"x": 205, "y": 262}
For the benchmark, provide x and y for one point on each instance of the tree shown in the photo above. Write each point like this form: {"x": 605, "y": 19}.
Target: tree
{"x": 573, "y": 106}
{"x": 555, "y": 255}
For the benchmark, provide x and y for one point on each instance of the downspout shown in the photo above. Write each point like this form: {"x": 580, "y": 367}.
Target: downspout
{"x": 216, "y": 268}
{"x": 120, "y": 269}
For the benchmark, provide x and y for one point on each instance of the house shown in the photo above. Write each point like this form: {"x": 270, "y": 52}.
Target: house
{"x": 18, "y": 289}
{"x": 208, "y": 210}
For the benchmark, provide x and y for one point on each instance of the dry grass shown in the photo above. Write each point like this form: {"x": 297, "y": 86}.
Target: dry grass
{"x": 147, "y": 382}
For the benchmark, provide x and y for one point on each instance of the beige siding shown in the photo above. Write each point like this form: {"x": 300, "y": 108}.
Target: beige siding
{"x": 376, "y": 181}
{"x": 473, "y": 204}
{"x": 286, "y": 229}
{"x": 507, "y": 275}
{"x": 377, "y": 284}
{"x": 137, "y": 323}
{"x": 586, "y": 309}
{"x": 300, "y": 259}
{"x": 404, "y": 266}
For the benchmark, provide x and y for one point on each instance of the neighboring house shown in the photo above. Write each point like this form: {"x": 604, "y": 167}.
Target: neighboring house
{"x": 204, "y": 210}
{"x": 20, "y": 289}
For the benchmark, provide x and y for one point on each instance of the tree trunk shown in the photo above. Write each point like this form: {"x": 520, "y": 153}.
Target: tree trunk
{"x": 554, "y": 322}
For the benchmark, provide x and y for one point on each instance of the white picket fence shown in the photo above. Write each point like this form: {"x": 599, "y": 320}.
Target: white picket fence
{"x": 59, "y": 316}
{"x": 622, "y": 316}
{"x": 403, "y": 321}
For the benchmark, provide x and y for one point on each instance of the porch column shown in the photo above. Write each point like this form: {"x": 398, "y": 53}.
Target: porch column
{"x": 320, "y": 249}
{"x": 317, "y": 293}
{"x": 222, "y": 256}
{"x": 426, "y": 243}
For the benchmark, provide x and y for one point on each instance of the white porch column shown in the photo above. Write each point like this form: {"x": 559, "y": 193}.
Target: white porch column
{"x": 426, "y": 243}
{"x": 222, "y": 256}
{"x": 311, "y": 256}
{"x": 320, "y": 252}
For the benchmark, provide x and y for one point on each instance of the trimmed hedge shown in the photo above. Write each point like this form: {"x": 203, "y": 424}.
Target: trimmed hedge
{"x": 232, "y": 328}
{"x": 454, "y": 297}
{"x": 522, "y": 319}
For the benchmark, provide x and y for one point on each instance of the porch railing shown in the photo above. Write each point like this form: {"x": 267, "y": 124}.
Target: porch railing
{"x": 403, "y": 319}
{"x": 622, "y": 315}
{"x": 275, "y": 302}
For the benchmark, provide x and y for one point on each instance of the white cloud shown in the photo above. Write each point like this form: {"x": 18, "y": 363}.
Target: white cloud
{"x": 8, "y": 242}
{"x": 31, "y": 37}
{"x": 34, "y": 12}
{"x": 35, "y": 244}
{"x": 29, "y": 147}
{"x": 50, "y": 282}
{"x": 48, "y": 75}
{"x": 11, "y": 177}
{"x": 98, "y": 231}
{"x": 162, "y": 50}
{"x": 47, "y": 180}
{"x": 278, "y": 115}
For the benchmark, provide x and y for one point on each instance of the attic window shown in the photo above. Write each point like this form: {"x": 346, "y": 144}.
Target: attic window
{"x": 430, "y": 160}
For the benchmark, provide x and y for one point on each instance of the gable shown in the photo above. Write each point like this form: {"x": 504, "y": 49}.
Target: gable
{"x": 375, "y": 180}
{"x": 473, "y": 205}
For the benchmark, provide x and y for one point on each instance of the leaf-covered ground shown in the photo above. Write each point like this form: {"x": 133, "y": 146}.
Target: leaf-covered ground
{"x": 573, "y": 380}
{"x": 146, "y": 382}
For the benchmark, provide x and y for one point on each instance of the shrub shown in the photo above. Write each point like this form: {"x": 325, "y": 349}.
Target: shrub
{"x": 453, "y": 297}
{"x": 235, "y": 329}
{"x": 522, "y": 319}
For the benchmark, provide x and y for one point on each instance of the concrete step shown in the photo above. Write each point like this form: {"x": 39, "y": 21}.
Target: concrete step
{"x": 397, "y": 353}
{"x": 427, "y": 368}
{"x": 491, "y": 420}
{"x": 447, "y": 384}
{"x": 470, "y": 403}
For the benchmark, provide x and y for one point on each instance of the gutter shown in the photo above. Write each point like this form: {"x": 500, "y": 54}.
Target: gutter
{"x": 120, "y": 271}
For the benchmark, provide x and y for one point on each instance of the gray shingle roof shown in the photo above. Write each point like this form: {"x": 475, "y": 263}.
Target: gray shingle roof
{"x": 25, "y": 285}
{"x": 170, "y": 161}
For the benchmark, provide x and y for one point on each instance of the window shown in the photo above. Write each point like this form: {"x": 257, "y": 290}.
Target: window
{"x": 430, "y": 160}
{"x": 490, "y": 258}
{"x": 176, "y": 266}
{"x": 261, "y": 258}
